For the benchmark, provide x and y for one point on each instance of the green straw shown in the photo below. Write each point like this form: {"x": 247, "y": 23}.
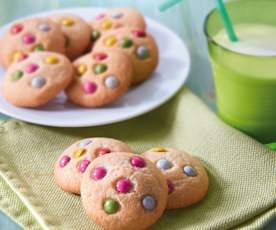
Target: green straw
{"x": 222, "y": 10}
{"x": 226, "y": 21}
{"x": 168, "y": 4}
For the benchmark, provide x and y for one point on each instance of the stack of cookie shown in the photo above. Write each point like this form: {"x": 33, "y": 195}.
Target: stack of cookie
{"x": 94, "y": 63}
{"x": 121, "y": 190}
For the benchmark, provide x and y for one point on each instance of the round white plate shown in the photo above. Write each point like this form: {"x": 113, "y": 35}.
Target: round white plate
{"x": 168, "y": 78}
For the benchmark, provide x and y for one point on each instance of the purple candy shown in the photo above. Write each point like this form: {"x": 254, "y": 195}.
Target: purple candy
{"x": 123, "y": 185}
{"x": 137, "y": 161}
{"x": 64, "y": 161}
{"x": 28, "y": 39}
{"x": 31, "y": 68}
{"x": 83, "y": 165}
{"x": 89, "y": 87}
{"x": 98, "y": 173}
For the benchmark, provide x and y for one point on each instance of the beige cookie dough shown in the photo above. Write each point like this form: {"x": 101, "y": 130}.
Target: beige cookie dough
{"x": 122, "y": 191}
{"x": 77, "y": 33}
{"x": 25, "y": 36}
{"x": 186, "y": 177}
{"x": 73, "y": 162}
{"x": 138, "y": 44}
{"x": 37, "y": 79}
{"x": 114, "y": 19}
{"x": 101, "y": 77}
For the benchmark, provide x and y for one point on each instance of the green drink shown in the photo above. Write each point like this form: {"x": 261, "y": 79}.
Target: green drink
{"x": 245, "y": 71}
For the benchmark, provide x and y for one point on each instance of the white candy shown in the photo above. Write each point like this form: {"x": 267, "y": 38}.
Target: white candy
{"x": 38, "y": 82}
{"x": 111, "y": 82}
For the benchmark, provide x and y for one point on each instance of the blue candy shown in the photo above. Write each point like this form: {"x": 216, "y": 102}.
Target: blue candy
{"x": 163, "y": 164}
{"x": 148, "y": 202}
{"x": 189, "y": 170}
{"x": 84, "y": 142}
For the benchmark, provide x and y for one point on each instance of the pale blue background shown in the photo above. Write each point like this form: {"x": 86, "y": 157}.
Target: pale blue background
{"x": 186, "y": 19}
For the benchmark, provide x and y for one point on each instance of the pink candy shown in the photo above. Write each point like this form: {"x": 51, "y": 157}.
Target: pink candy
{"x": 28, "y": 39}
{"x": 170, "y": 186}
{"x": 31, "y": 68}
{"x": 89, "y": 87}
{"x": 83, "y": 165}
{"x": 98, "y": 173}
{"x": 100, "y": 56}
{"x": 139, "y": 33}
{"x": 137, "y": 162}
{"x": 100, "y": 16}
{"x": 123, "y": 185}
{"x": 64, "y": 161}
{"x": 17, "y": 28}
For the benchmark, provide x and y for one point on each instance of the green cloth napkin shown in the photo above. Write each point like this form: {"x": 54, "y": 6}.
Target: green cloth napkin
{"x": 242, "y": 171}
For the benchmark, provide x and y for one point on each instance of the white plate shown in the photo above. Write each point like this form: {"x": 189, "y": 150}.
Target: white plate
{"x": 168, "y": 78}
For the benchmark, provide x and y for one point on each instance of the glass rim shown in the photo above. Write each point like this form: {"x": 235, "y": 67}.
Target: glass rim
{"x": 210, "y": 39}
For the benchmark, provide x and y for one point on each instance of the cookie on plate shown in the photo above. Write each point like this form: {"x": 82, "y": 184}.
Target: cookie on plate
{"x": 122, "y": 191}
{"x": 25, "y": 36}
{"x": 37, "y": 79}
{"x": 101, "y": 78}
{"x": 77, "y": 33}
{"x": 186, "y": 177}
{"x": 73, "y": 162}
{"x": 114, "y": 19}
{"x": 138, "y": 44}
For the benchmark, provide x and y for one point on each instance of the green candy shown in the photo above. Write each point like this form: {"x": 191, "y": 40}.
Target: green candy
{"x": 126, "y": 43}
{"x": 100, "y": 68}
{"x": 16, "y": 75}
{"x": 111, "y": 206}
{"x": 95, "y": 35}
{"x": 39, "y": 47}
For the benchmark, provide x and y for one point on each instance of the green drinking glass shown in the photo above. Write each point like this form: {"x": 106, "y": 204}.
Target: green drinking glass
{"x": 245, "y": 84}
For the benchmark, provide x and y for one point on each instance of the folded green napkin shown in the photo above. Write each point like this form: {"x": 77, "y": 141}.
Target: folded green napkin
{"x": 242, "y": 171}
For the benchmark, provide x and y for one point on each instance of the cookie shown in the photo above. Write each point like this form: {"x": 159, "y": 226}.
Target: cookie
{"x": 77, "y": 33}
{"x": 186, "y": 177}
{"x": 101, "y": 78}
{"x": 73, "y": 162}
{"x": 114, "y": 19}
{"x": 37, "y": 79}
{"x": 138, "y": 44}
{"x": 1, "y": 56}
{"x": 123, "y": 191}
{"x": 35, "y": 34}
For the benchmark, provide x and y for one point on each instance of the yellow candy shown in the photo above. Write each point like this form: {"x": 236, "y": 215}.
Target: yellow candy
{"x": 17, "y": 56}
{"x": 67, "y": 22}
{"x": 111, "y": 41}
{"x": 81, "y": 69}
{"x": 107, "y": 24}
{"x": 158, "y": 149}
{"x": 79, "y": 152}
{"x": 52, "y": 60}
